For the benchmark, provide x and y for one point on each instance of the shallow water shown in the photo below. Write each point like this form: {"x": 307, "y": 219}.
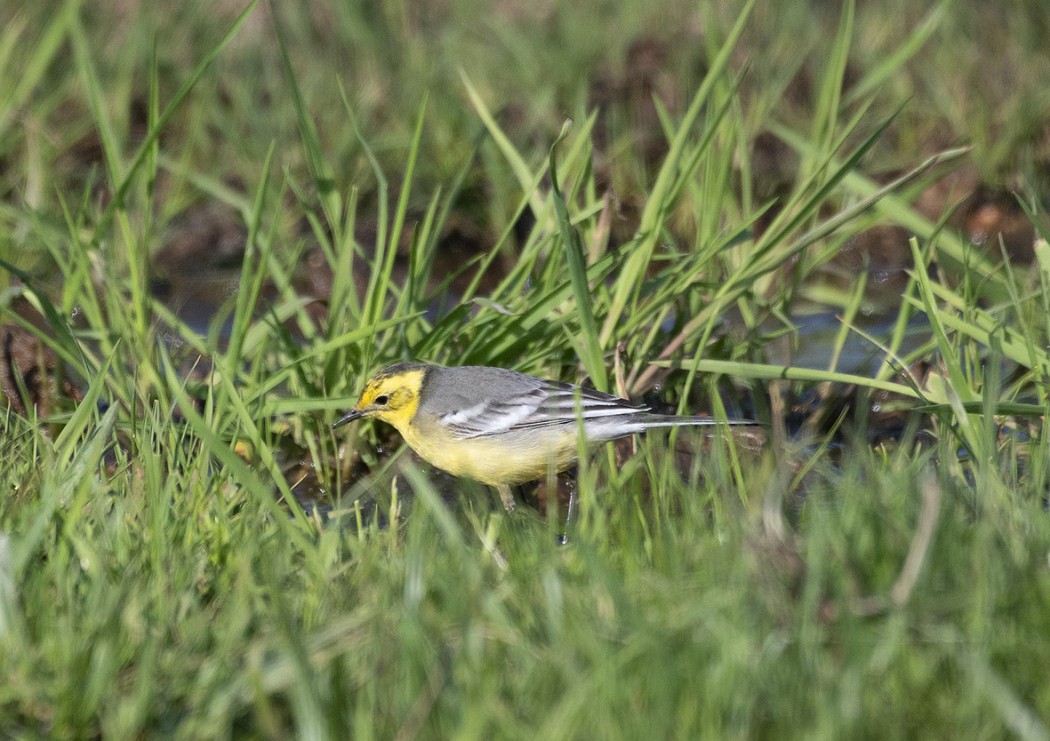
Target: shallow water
{"x": 818, "y": 334}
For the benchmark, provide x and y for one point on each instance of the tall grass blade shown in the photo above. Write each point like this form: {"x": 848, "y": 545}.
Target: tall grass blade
{"x": 591, "y": 350}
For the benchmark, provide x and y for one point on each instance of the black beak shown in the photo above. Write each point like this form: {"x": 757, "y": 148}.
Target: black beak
{"x": 348, "y": 417}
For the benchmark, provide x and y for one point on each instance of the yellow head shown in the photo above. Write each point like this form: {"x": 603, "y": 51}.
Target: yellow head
{"x": 391, "y": 395}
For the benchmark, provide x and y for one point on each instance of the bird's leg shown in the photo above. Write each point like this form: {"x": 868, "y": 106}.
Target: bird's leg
{"x": 506, "y": 495}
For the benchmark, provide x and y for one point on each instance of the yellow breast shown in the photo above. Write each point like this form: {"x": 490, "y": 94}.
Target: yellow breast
{"x": 507, "y": 459}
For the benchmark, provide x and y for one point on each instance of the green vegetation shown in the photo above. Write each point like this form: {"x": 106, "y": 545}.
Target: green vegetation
{"x": 188, "y": 550}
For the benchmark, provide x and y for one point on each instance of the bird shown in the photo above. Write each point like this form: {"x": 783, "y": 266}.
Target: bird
{"x": 499, "y": 426}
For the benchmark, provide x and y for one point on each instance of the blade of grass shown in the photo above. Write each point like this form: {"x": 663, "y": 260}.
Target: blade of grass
{"x": 758, "y": 371}
{"x": 591, "y": 357}
{"x": 316, "y": 162}
{"x": 253, "y": 270}
{"x": 526, "y": 179}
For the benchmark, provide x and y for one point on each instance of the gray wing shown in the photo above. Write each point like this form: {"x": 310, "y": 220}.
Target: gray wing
{"x": 531, "y": 404}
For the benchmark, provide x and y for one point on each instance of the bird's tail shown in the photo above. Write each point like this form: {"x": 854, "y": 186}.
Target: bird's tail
{"x": 666, "y": 420}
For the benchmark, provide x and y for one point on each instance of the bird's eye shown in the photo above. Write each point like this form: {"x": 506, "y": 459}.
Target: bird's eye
{"x": 382, "y": 400}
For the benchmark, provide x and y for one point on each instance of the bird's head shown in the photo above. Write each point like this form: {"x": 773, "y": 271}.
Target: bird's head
{"x": 391, "y": 395}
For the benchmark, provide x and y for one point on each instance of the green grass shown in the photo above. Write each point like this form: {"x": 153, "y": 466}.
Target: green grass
{"x": 161, "y": 570}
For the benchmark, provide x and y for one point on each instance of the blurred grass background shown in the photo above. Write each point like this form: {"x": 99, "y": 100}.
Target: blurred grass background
{"x": 215, "y": 222}
{"x": 532, "y": 63}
